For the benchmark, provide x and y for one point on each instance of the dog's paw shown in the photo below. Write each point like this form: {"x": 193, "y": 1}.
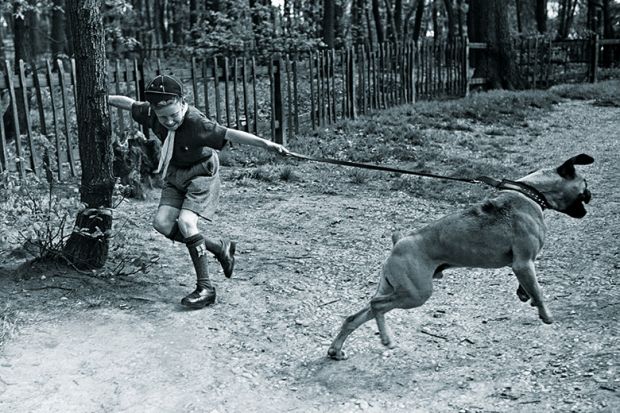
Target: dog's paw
{"x": 547, "y": 319}
{"x": 522, "y": 294}
{"x": 336, "y": 354}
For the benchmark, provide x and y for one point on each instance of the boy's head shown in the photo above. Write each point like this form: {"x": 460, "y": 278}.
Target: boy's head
{"x": 165, "y": 94}
{"x": 163, "y": 90}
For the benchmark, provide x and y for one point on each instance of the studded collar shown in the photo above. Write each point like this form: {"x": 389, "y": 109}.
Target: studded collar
{"x": 527, "y": 190}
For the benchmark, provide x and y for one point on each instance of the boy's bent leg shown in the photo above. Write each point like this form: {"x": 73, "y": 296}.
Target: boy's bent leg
{"x": 204, "y": 294}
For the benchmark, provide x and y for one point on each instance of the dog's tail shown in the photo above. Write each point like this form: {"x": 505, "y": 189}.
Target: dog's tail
{"x": 396, "y": 235}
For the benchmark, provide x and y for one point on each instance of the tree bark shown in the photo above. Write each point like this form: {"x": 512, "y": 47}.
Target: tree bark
{"x": 89, "y": 243}
{"x": 329, "y": 23}
{"x": 489, "y": 23}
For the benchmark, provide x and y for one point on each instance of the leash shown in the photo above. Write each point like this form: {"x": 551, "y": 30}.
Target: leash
{"x": 525, "y": 189}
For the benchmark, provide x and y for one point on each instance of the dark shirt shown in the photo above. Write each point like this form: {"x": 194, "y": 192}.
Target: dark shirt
{"x": 195, "y": 138}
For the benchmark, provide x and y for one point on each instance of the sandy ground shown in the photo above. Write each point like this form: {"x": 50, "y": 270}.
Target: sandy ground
{"x": 309, "y": 255}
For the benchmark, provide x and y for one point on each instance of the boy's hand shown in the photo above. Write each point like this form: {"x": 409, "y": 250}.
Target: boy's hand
{"x": 276, "y": 147}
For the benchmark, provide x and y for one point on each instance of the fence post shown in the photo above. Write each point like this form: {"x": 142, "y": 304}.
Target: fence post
{"x": 19, "y": 163}
{"x": 594, "y": 58}
{"x": 278, "y": 116}
{"x": 466, "y": 64}
{"x": 31, "y": 147}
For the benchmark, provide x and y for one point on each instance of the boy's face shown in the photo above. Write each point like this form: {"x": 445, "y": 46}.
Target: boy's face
{"x": 171, "y": 114}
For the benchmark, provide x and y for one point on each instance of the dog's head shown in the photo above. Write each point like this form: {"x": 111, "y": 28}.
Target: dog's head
{"x": 565, "y": 190}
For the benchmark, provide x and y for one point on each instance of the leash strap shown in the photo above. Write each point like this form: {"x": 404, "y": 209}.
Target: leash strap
{"x": 504, "y": 184}
{"x": 383, "y": 168}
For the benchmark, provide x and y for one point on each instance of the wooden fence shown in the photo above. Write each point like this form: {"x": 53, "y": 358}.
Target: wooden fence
{"x": 277, "y": 98}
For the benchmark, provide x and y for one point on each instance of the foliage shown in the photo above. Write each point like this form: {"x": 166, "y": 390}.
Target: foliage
{"x": 36, "y": 216}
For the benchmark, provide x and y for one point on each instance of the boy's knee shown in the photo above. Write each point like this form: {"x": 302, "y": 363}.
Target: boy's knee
{"x": 162, "y": 225}
{"x": 188, "y": 222}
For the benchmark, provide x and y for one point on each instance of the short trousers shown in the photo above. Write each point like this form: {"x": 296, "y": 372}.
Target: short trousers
{"x": 196, "y": 188}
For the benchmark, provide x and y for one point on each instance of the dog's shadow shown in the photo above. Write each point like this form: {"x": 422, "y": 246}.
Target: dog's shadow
{"x": 364, "y": 371}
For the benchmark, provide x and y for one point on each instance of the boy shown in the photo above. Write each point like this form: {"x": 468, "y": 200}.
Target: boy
{"x": 189, "y": 165}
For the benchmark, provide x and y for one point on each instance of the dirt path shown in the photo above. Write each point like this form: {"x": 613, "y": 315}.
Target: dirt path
{"x": 309, "y": 255}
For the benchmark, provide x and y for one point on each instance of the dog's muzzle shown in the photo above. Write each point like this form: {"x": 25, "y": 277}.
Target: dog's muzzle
{"x": 585, "y": 196}
{"x": 576, "y": 209}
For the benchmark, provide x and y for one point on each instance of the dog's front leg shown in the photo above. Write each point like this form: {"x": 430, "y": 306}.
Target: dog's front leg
{"x": 526, "y": 274}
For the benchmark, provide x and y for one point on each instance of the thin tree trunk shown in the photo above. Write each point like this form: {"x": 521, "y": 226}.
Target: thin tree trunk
{"x": 20, "y": 31}
{"x": 57, "y": 35}
{"x": 329, "y": 23}
{"x": 452, "y": 23}
{"x": 417, "y": 26}
{"x": 376, "y": 14}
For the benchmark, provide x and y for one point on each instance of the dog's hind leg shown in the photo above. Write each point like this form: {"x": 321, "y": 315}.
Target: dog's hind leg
{"x": 526, "y": 274}
{"x": 351, "y": 323}
{"x": 522, "y": 294}
{"x": 384, "y": 293}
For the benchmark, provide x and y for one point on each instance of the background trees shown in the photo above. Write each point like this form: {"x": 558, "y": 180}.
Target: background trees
{"x": 137, "y": 28}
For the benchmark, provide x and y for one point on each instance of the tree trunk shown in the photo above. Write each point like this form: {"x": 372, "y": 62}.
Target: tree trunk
{"x": 452, "y": 21}
{"x": 376, "y": 14}
{"x": 34, "y": 24}
{"x": 437, "y": 26}
{"x": 392, "y": 32}
{"x": 526, "y": 16}
{"x": 398, "y": 18}
{"x": 489, "y": 23}
{"x": 20, "y": 31}
{"x": 193, "y": 14}
{"x": 566, "y": 12}
{"x": 417, "y": 25}
{"x": 88, "y": 245}
{"x": 177, "y": 17}
{"x": 541, "y": 16}
{"x": 57, "y": 35}
{"x": 329, "y": 23}
{"x": 608, "y": 33}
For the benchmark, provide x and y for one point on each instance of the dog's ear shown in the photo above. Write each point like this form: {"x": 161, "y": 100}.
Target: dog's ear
{"x": 567, "y": 169}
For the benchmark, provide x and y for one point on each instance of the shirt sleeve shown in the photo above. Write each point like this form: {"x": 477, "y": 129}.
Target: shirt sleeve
{"x": 214, "y": 134}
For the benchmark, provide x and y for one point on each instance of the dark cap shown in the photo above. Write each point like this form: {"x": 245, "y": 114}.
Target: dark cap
{"x": 163, "y": 88}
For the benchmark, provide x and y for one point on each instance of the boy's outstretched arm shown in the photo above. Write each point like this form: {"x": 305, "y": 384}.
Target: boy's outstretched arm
{"x": 245, "y": 138}
{"x": 121, "y": 102}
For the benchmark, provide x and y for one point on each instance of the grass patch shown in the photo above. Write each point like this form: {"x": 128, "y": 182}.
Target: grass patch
{"x": 602, "y": 91}
{"x": 288, "y": 174}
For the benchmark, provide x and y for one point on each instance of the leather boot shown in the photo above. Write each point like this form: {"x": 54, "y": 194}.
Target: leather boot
{"x": 224, "y": 252}
{"x": 204, "y": 294}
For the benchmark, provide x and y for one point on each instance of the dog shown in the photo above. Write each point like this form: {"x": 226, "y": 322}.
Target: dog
{"x": 506, "y": 230}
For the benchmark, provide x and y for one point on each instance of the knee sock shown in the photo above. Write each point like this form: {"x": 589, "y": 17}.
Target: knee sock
{"x": 198, "y": 253}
